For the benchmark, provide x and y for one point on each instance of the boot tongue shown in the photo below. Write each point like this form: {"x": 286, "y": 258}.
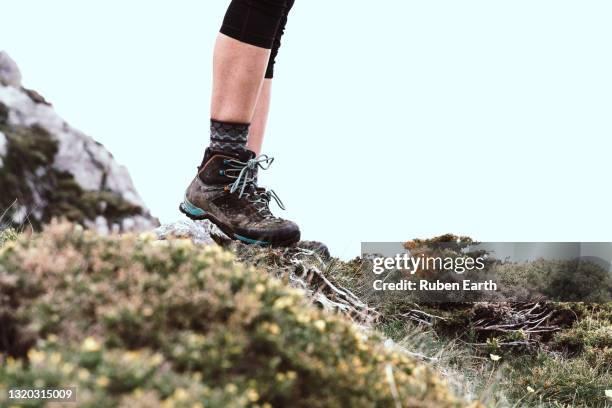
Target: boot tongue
{"x": 242, "y": 155}
{"x": 246, "y": 155}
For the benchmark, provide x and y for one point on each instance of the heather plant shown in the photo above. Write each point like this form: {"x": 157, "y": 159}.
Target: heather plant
{"x": 132, "y": 321}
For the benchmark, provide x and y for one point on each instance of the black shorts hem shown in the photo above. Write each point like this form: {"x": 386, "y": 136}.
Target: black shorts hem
{"x": 252, "y": 39}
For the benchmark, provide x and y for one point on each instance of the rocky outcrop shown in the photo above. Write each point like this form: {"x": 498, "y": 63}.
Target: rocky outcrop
{"x": 49, "y": 169}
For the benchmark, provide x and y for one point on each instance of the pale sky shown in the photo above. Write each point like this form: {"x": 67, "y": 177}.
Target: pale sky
{"x": 391, "y": 120}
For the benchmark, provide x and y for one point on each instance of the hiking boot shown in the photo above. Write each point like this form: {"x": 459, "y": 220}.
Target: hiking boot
{"x": 225, "y": 192}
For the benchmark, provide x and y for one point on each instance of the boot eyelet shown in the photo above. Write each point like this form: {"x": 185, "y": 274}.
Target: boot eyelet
{"x": 225, "y": 161}
{"x": 222, "y": 172}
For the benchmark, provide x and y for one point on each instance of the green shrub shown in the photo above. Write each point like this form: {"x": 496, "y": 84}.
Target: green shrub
{"x": 593, "y": 329}
{"x": 136, "y": 322}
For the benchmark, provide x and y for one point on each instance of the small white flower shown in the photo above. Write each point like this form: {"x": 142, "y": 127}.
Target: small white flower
{"x": 530, "y": 390}
{"x": 609, "y": 394}
{"x": 495, "y": 357}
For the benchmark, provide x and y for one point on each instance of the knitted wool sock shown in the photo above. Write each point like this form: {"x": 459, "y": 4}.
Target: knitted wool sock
{"x": 229, "y": 137}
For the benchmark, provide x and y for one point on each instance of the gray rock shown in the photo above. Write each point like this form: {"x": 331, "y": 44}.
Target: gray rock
{"x": 9, "y": 71}
{"x": 318, "y": 247}
{"x": 200, "y": 232}
{"x": 90, "y": 164}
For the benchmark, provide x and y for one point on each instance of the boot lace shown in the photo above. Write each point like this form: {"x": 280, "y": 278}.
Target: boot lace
{"x": 245, "y": 181}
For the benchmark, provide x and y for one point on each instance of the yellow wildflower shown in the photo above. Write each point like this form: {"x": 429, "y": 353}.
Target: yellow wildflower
{"x": 180, "y": 394}
{"x": 283, "y": 302}
{"x": 55, "y": 357}
{"x": 102, "y": 381}
{"x": 252, "y": 395}
{"x": 148, "y": 237}
{"x": 157, "y": 359}
{"x": 184, "y": 243}
{"x": 147, "y": 311}
{"x": 320, "y": 325}
{"x": 260, "y": 288}
{"x": 83, "y": 374}
{"x": 90, "y": 345}
{"x": 36, "y": 356}
{"x": 271, "y": 328}
{"x": 67, "y": 368}
{"x": 130, "y": 356}
{"x": 303, "y": 318}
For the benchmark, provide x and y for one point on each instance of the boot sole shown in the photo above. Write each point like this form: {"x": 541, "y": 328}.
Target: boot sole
{"x": 197, "y": 214}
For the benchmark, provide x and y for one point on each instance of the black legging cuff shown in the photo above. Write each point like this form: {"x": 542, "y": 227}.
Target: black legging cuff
{"x": 254, "y": 22}
{"x": 258, "y": 22}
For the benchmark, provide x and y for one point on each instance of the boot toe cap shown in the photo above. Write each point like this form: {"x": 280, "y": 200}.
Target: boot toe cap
{"x": 286, "y": 233}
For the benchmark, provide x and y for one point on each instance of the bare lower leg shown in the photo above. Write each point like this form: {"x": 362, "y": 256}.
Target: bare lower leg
{"x": 260, "y": 118}
{"x": 238, "y": 73}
